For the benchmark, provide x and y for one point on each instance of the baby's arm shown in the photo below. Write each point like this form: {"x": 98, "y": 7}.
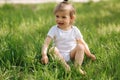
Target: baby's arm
{"x": 87, "y": 51}
{"x": 47, "y": 41}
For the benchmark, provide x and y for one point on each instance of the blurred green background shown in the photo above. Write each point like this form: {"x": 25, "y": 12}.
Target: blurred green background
{"x": 23, "y": 28}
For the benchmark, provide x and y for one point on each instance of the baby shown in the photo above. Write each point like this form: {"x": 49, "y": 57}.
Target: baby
{"x": 67, "y": 38}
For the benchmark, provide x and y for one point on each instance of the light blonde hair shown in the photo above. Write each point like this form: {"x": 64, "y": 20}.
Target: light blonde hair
{"x": 65, "y": 6}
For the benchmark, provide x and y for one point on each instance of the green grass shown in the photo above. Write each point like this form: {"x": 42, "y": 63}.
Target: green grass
{"x": 24, "y": 27}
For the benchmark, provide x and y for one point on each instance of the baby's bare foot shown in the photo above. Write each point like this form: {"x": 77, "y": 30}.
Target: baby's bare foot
{"x": 67, "y": 67}
{"x": 82, "y": 72}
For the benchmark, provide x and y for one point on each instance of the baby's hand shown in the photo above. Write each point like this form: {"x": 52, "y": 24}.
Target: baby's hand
{"x": 93, "y": 57}
{"x": 44, "y": 59}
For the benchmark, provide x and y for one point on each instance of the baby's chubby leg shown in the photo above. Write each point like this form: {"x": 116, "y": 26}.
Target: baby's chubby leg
{"x": 78, "y": 55}
{"x": 55, "y": 52}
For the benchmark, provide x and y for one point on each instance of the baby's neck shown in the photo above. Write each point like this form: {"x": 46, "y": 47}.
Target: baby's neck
{"x": 65, "y": 28}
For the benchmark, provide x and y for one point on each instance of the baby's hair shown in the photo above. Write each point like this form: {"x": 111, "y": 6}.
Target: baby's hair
{"x": 66, "y": 0}
{"x": 65, "y": 5}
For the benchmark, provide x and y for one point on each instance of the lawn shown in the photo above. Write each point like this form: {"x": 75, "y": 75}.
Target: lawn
{"x": 24, "y": 27}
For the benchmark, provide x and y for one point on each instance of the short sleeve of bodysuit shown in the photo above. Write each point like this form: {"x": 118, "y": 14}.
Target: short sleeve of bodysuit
{"x": 78, "y": 33}
{"x": 51, "y": 32}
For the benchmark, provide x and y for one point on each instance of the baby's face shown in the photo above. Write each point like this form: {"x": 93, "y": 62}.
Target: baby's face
{"x": 63, "y": 19}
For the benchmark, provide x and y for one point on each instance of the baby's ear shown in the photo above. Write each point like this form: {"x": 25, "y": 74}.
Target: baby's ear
{"x": 73, "y": 18}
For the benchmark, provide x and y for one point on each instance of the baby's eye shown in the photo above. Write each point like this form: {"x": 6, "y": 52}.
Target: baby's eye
{"x": 64, "y": 17}
{"x": 57, "y": 16}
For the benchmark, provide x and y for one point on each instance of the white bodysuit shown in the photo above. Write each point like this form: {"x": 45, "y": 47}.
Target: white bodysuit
{"x": 65, "y": 41}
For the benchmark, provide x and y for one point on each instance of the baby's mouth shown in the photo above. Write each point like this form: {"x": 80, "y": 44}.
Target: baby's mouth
{"x": 60, "y": 23}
